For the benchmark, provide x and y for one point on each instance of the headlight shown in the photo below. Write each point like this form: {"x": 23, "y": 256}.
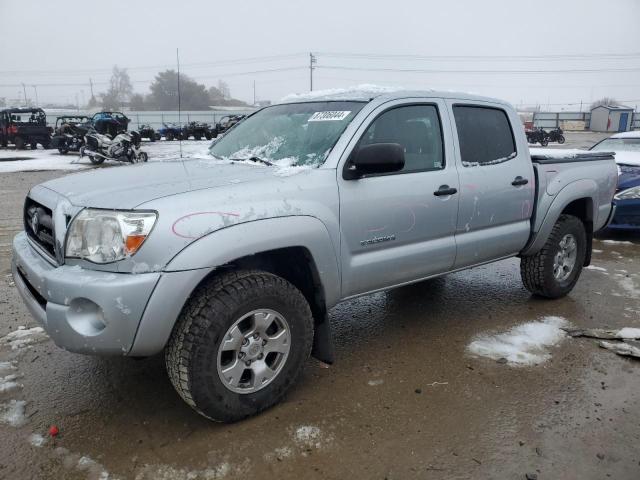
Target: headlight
{"x": 628, "y": 194}
{"x": 103, "y": 236}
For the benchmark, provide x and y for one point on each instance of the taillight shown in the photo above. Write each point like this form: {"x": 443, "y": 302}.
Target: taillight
{"x": 12, "y": 130}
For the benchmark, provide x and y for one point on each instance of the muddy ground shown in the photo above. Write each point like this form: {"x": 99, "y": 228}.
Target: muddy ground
{"x": 404, "y": 400}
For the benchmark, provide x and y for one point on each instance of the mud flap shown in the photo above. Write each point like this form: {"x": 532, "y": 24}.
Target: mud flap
{"x": 323, "y": 342}
{"x": 587, "y": 257}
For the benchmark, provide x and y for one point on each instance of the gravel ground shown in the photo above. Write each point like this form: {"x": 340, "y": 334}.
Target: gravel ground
{"x": 406, "y": 398}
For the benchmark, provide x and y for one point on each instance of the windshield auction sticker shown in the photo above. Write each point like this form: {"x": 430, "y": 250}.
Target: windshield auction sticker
{"x": 329, "y": 116}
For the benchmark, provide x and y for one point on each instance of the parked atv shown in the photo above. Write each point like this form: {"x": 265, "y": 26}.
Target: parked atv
{"x": 226, "y": 123}
{"x": 539, "y": 135}
{"x": 556, "y": 135}
{"x": 197, "y": 130}
{"x": 147, "y": 131}
{"x": 170, "y": 131}
{"x": 125, "y": 147}
{"x": 24, "y": 126}
{"x": 69, "y": 133}
{"x": 110, "y": 123}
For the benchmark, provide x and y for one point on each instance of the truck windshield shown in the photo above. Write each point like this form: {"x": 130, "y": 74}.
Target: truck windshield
{"x": 618, "y": 144}
{"x": 296, "y": 133}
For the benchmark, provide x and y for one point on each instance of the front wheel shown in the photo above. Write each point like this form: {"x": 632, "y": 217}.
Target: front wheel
{"x": 544, "y": 142}
{"x": 240, "y": 343}
{"x": 142, "y": 157}
{"x": 555, "y": 269}
{"x": 561, "y": 139}
{"x": 96, "y": 160}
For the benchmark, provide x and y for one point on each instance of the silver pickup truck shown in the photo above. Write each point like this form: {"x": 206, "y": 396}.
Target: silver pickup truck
{"x": 229, "y": 264}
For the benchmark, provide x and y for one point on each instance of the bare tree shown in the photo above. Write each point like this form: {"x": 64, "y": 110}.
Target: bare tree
{"x": 604, "y": 101}
{"x": 223, "y": 88}
{"x": 120, "y": 89}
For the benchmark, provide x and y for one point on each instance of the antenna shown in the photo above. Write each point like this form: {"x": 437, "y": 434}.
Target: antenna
{"x": 179, "y": 106}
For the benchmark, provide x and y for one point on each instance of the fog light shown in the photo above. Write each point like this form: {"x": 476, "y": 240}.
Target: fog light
{"x": 85, "y": 317}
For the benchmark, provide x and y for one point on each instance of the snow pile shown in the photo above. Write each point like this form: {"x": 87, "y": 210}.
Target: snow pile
{"x": 557, "y": 153}
{"x": 356, "y": 91}
{"x": 23, "y": 337}
{"x": 525, "y": 344}
{"x": 628, "y": 333}
{"x": 34, "y": 160}
{"x": 12, "y": 413}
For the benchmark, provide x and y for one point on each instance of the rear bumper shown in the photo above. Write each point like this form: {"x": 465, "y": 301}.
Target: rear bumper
{"x": 83, "y": 311}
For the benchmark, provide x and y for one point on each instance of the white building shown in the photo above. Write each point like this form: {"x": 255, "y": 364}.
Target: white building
{"x": 611, "y": 118}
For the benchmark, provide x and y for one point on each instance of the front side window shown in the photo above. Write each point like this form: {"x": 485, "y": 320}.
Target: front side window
{"x": 291, "y": 134}
{"x": 417, "y": 129}
{"x": 484, "y": 135}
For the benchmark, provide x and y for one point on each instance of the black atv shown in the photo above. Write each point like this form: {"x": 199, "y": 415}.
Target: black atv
{"x": 147, "y": 131}
{"x": 226, "y": 123}
{"x": 69, "y": 133}
{"x": 197, "y": 130}
{"x": 24, "y": 126}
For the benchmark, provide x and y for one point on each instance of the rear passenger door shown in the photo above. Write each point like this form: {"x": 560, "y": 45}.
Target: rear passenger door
{"x": 394, "y": 227}
{"x": 497, "y": 184}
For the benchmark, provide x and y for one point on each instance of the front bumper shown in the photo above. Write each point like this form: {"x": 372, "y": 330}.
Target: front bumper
{"x": 84, "y": 311}
{"x": 627, "y": 215}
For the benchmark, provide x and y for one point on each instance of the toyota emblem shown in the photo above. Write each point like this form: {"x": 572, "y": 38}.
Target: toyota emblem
{"x": 35, "y": 221}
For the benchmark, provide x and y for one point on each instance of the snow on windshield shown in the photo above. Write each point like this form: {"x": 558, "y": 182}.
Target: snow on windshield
{"x": 298, "y": 134}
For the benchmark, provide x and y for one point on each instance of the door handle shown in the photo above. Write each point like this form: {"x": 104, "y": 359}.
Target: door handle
{"x": 445, "y": 190}
{"x": 518, "y": 181}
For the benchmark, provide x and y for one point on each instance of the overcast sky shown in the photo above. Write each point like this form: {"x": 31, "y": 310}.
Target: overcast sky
{"x": 66, "y": 42}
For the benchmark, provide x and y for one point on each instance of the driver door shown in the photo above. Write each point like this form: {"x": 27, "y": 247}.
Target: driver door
{"x": 398, "y": 227}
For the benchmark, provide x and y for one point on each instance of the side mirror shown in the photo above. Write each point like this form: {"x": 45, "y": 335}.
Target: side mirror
{"x": 376, "y": 158}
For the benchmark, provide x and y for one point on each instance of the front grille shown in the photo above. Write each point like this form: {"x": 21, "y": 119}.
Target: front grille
{"x": 38, "y": 223}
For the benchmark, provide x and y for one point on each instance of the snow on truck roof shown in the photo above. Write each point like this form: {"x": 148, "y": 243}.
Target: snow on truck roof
{"x": 366, "y": 92}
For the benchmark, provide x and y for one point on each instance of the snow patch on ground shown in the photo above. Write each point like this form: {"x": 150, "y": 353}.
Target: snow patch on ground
{"x": 23, "y": 337}
{"x": 627, "y": 284}
{"x": 375, "y": 382}
{"x": 37, "y": 440}
{"x": 168, "y": 472}
{"x": 593, "y": 267}
{"x": 617, "y": 242}
{"x": 628, "y": 333}
{"x": 310, "y": 436}
{"x": 12, "y": 413}
{"x": 83, "y": 463}
{"x": 9, "y": 383}
{"x": 7, "y": 366}
{"x": 526, "y": 344}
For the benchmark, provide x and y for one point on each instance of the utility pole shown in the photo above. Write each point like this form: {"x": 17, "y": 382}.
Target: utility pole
{"x": 35, "y": 89}
{"x": 24, "y": 90}
{"x": 312, "y": 62}
{"x": 254, "y": 92}
{"x": 179, "y": 105}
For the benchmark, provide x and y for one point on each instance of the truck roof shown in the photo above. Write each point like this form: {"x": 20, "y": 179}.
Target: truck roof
{"x": 366, "y": 93}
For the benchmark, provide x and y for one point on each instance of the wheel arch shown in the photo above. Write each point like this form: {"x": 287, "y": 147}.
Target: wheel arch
{"x": 310, "y": 264}
{"x": 577, "y": 199}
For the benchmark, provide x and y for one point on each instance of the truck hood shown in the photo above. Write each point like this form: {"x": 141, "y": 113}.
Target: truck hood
{"x": 628, "y": 158}
{"x": 128, "y": 186}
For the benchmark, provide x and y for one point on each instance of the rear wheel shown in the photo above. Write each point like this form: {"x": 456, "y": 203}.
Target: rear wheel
{"x": 95, "y": 159}
{"x": 544, "y": 142}
{"x": 555, "y": 269}
{"x": 19, "y": 143}
{"x": 168, "y": 136}
{"x": 63, "y": 151}
{"x": 239, "y": 345}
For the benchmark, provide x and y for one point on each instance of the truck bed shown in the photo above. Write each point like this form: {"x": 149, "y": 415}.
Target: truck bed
{"x": 566, "y": 155}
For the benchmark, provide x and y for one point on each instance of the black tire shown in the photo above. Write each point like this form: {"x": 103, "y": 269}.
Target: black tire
{"x": 34, "y": 146}
{"x": 537, "y": 270}
{"x": 197, "y": 137}
{"x": 63, "y": 151}
{"x": 191, "y": 354}
{"x": 168, "y": 136}
{"x": 95, "y": 160}
{"x": 207, "y": 135}
{"x": 19, "y": 143}
{"x": 561, "y": 139}
{"x": 157, "y": 136}
{"x": 544, "y": 142}
{"x": 143, "y": 157}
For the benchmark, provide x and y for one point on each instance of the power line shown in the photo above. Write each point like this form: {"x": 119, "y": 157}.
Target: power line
{"x": 588, "y": 56}
{"x": 426, "y": 70}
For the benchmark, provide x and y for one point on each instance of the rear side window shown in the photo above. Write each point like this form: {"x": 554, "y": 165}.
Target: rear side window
{"x": 484, "y": 135}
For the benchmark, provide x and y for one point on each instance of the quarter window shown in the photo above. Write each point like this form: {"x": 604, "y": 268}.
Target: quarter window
{"x": 484, "y": 135}
{"x": 417, "y": 129}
